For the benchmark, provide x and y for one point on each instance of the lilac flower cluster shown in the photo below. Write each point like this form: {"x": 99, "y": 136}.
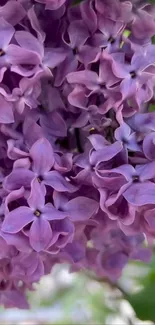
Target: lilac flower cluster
{"x": 77, "y": 139}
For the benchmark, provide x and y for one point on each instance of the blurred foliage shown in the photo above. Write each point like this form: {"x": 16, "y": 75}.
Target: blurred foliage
{"x": 151, "y": 107}
{"x": 82, "y": 300}
{"x": 153, "y": 39}
{"x": 143, "y": 301}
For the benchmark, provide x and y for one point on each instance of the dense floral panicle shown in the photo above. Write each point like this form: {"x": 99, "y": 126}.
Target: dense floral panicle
{"x": 77, "y": 139}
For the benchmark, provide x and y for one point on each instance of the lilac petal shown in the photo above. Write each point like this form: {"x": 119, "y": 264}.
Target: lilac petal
{"x": 52, "y": 5}
{"x": 6, "y": 111}
{"x": 88, "y": 15}
{"x": 149, "y": 146}
{"x": 83, "y": 177}
{"x": 128, "y": 87}
{"x": 22, "y": 163}
{"x": 51, "y": 213}
{"x": 14, "y": 182}
{"x": 78, "y": 97}
{"x": 54, "y": 56}
{"x": 35, "y": 24}
{"x": 146, "y": 171}
{"x": 140, "y": 194}
{"x": 75, "y": 250}
{"x": 105, "y": 73}
{"x": 82, "y": 120}
{"x": 53, "y": 125}
{"x": 23, "y": 70}
{"x": 105, "y": 154}
{"x": 20, "y": 241}
{"x": 13, "y": 196}
{"x": 2, "y": 71}
{"x": 42, "y": 155}
{"x": 70, "y": 64}
{"x": 59, "y": 199}
{"x": 150, "y": 218}
{"x": 143, "y": 254}
{"x": 52, "y": 98}
{"x": 13, "y": 298}
{"x": 120, "y": 70}
{"x": 126, "y": 170}
{"x": 58, "y": 182}
{"x": 122, "y": 132}
{"x": 40, "y": 234}
{"x": 81, "y": 208}
{"x": 13, "y": 152}
{"x": 29, "y": 42}
{"x": 63, "y": 232}
{"x": 17, "y": 55}
{"x": 85, "y": 77}
{"x": 142, "y": 122}
{"x": 6, "y": 33}
{"x": 78, "y": 33}
{"x": 88, "y": 54}
{"x": 17, "y": 219}
{"x": 13, "y": 12}
{"x": 109, "y": 27}
{"x": 36, "y": 199}
{"x": 31, "y": 137}
{"x": 98, "y": 141}
{"x": 63, "y": 163}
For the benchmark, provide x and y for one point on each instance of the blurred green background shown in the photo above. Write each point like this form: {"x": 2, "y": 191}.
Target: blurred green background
{"x": 80, "y": 298}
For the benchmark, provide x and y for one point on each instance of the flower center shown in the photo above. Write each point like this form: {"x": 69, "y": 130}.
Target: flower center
{"x": 37, "y": 213}
{"x": 2, "y": 52}
{"x": 75, "y": 51}
{"x": 102, "y": 85}
{"x": 39, "y": 179}
{"x": 111, "y": 40}
{"x": 133, "y": 74}
{"x": 135, "y": 179}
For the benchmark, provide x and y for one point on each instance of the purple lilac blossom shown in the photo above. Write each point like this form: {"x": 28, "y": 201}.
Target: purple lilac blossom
{"x": 77, "y": 139}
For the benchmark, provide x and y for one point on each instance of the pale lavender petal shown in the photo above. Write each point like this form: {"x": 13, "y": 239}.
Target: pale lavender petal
{"x": 29, "y": 42}
{"x": 14, "y": 182}
{"x": 17, "y": 219}
{"x": 42, "y": 155}
{"x": 78, "y": 33}
{"x": 35, "y": 24}
{"x": 17, "y": 55}
{"x": 88, "y": 15}
{"x": 58, "y": 182}
{"x": 81, "y": 208}
{"x": 36, "y": 199}
{"x": 40, "y": 234}
{"x": 86, "y": 77}
{"x": 105, "y": 154}
{"x": 140, "y": 194}
{"x": 6, "y": 111}
{"x": 13, "y": 12}
{"x": 54, "y": 56}
{"x": 6, "y": 33}
{"x": 51, "y": 213}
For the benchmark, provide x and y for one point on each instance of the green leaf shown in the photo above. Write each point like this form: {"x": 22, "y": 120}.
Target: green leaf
{"x": 76, "y": 2}
{"x": 153, "y": 39}
{"x": 151, "y": 107}
{"x": 143, "y": 302}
